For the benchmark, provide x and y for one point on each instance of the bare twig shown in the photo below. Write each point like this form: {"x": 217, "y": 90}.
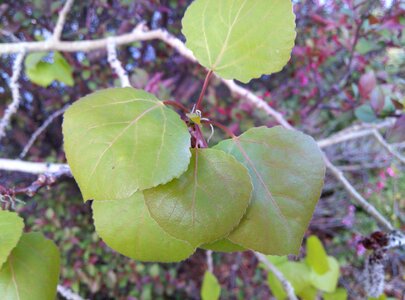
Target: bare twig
{"x": 57, "y": 32}
{"x": 210, "y": 264}
{"x": 388, "y": 147}
{"x": 258, "y": 102}
{"x": 32, "y": 167}
{"x": 138, "y": 34}
{"x": 15, "y": 91}
{"x": 68, "y": 294}
{"x": 285, "y": 283}
{"x": 354, "y": 132}
{"x": 116, "y": 64}
{"x": 359, "y": 199}
{"x": 41, "y": 129}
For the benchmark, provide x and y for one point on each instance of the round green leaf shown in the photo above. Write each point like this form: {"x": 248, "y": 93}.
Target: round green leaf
{"x": 206, "y": 202}
{"x": 31, "y": 271}
{"x": 44, "y": 73}
{"x": 316, "y": 255}
{"x": 11, "y": 228}
{"x": 223, "y": 245}
{"x": 339, "y": 294}
{"x": 121, "y": 140}
{"x": 127, "y": 227}
{"x": 240, "y": 39}
{"x": 327, "y": 282}
{"x": 210, "y": 290}
{"x": 287, "y": 172}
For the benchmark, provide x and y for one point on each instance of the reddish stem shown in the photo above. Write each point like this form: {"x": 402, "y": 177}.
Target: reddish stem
{"x": 204, "y": 88}
{"x": 222, "y": 127}
{"x": 176, "y": 104}
{"x": 200, "y": 140}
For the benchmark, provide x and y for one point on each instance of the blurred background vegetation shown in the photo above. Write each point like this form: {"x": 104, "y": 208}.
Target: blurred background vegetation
{"x": 348, "y": 66}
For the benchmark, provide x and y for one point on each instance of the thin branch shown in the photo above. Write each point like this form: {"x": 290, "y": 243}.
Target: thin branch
{"x": 138, "y": 34}
{"x": 256, "y": 101}
{"x": 68, "y": 294}
{"x": 14, "y": 165}
{"x": 210, "y": 264}
{"x": 359, "y": 199}
{"x": 116, "y": 64}
{"x": 15, "y": 91}
{"x": 284, "y": 282}
{"x": 354, "y": 132}
{"x": 388, "y": 147}
{"x": 41, "y": 129}
{"x": 57, "y": 32}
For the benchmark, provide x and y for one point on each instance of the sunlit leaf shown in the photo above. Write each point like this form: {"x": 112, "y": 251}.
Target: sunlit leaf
{"x": 328, "y": 281}
{"x": 31, "y": 270}
{"x": 309, "y": 293}
{"x": 316, "y": 255}
{"x": 277, "y": 260}
{"x": 339, "y": 294}
{"x": 240, "y": 39}
{"x": 297, "y": 273}
{"x": 121, "y": 140}
{"x": 44, "y": 73}
{"x": 287, "y": 172}
{"x": 11, "y": 228}
{"x": 126, "y": 226}
{"x": 206, "y": 202}
{"x": 62, "y": 69}
{"x": 210, "y": 290}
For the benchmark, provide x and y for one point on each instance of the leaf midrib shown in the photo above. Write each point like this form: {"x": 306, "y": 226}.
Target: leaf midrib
{"x": 275, "y": 204}
{"x": 228, "y": 35}
{"x": 13, "y": 276}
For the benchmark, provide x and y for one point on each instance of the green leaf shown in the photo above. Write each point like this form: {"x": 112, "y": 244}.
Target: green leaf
{"x": 297, "y": 273}
{"x": 126, "y": 226}
{"x": 277, "y": 260}
{"x": 32, "y": 59}
{"x": 62, "y": 69}
{"x": 210, "y": 290}
{"x": 121, "y": 140}
{"x": 41, "y": 75}
{"x": 31, "y": 271}
{"x": 287, "y": 172}
{"x": 44, "y": 73}
{"x": 240, "y": 39}
{"x": 339, "y": 294}
{"x": 316, "y": 255}
{"x": 328, "y": 281}
{"x": 206, "y": 202}
{"x": 223, "y": 245}
{"x": 11, "y": 228}
{"x": 308, "y": 293}
{"x": 365, "y": 113}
